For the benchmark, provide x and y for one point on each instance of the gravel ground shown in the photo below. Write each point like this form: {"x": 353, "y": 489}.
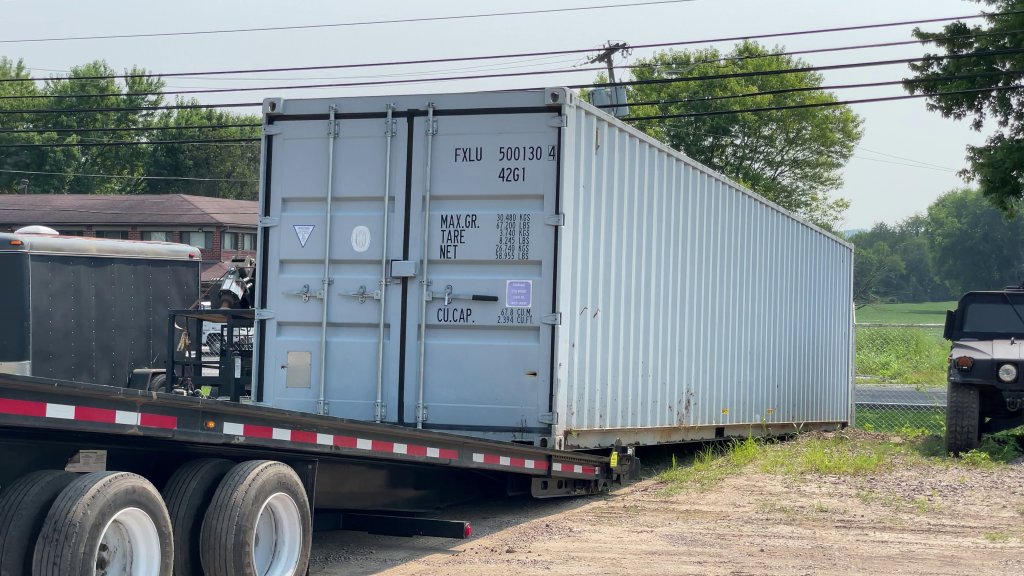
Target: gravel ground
{"x": 929, "y": 520}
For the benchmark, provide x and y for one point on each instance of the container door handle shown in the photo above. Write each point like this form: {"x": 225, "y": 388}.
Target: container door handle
{"x": 305, "y": 293}
{"x": 362, "y": 294}
{"x": 449, "y": 296}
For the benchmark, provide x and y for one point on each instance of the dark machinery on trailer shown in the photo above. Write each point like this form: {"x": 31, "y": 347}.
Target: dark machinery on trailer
{"x": 241, "y": 486}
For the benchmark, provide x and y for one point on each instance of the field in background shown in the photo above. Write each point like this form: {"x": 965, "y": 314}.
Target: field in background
{"x": 926, "y": 313}
{"x": 902, "y": 355}
{"x": 901, "y": 370}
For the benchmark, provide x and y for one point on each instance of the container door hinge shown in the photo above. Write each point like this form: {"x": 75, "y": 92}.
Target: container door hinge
{"x": 558, "y": 122}
{"x": 272, "y": 130}
{"x": 554, "y": 319}
{"x": 264, "y": 314}
{"x": 333, "y": 126}
{"x": 380, "y": 411}
{"x": 268, "y": 222}
{"x": 548, "y": 418}
{"x": 555, "y": 220}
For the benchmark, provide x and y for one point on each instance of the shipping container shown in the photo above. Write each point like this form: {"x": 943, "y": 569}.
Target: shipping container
{"x": 521, "y": 266}
{"x": 89, "y": 309}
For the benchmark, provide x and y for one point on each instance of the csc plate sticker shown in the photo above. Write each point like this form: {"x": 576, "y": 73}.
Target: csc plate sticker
{"x": 518, "y": 293}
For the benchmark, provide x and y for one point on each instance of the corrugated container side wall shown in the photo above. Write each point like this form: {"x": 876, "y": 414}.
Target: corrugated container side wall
{"x": 687, "y": 300}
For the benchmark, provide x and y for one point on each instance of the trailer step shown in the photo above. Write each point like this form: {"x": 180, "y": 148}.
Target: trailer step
{"x": 383, "y": 525}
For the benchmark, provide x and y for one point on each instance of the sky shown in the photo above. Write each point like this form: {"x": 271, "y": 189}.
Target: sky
{"x": 907, "y": 158}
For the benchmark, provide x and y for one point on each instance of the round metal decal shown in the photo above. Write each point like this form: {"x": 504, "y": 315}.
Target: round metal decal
{"x": 360, "y": 238}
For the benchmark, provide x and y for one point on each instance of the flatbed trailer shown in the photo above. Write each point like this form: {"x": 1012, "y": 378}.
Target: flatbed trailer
{"x": 353, "y": 474}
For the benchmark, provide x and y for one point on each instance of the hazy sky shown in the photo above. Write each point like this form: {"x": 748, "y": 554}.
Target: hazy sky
{"x": 880, "y": 186}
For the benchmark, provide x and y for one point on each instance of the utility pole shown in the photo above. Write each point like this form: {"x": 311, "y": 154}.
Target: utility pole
{"x": 607, "y": 56}
{"x": 613, "y": 99}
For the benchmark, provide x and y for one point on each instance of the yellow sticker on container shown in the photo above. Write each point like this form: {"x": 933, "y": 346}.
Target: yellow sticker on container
{"x": 614, "y": 460}
{"x": 725, "y": 410}
{"x": 770, "y": 411}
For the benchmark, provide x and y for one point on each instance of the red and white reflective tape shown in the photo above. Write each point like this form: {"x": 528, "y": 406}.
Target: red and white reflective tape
{"x": 268, "y": 433}
{"x": 84, "y": 414}
{"x": 512, "y": 462}
{"x": 574, "y": 468}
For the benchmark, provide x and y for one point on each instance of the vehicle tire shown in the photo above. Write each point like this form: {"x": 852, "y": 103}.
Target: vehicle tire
{"x": 258, "y": 524}
{"x": 107, "y": 524}
{"x": 963, "y": 418}
{"x": 188, "y": 495}
{"x": 23, "y": 508}
{"x": 158, "y": 383}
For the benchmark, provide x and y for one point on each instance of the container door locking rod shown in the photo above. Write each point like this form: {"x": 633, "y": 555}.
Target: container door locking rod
{"x": 421, "y": 410}
{"x": 332, "y": 133}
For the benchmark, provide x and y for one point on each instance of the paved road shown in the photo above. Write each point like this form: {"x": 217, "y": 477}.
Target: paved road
{"x": 902, "y": 395}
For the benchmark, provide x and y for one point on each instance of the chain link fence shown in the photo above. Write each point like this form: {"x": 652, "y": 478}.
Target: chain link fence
{"x": 901, "y": 378}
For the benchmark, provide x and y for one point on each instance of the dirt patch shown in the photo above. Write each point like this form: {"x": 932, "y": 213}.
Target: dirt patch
{"x": 928, "y": 519}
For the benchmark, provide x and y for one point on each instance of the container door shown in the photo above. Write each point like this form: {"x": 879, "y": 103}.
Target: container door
{"x": 296, "y": 251}
{"x": 490, "y": 263}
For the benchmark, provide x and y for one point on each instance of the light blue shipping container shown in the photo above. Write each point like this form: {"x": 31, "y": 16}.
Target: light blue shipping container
{"x": 585, "y": 284}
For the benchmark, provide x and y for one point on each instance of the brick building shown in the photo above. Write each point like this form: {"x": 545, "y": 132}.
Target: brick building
{"x": 220, "y": 228}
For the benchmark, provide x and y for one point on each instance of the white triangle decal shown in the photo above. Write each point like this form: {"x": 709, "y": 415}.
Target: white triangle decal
{"x": 303, "y": 233}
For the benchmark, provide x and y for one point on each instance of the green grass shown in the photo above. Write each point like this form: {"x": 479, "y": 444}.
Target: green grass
{"x": 837, "y": 454}
{"x": 911, "y": 423}
{"x": 926, "y": 313}
{"x": 845, "y": 453}
{"x": 902, "y": 355}
{"x": 998, "y": 537}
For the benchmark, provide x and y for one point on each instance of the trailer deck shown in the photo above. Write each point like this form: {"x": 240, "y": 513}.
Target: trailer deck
{"x": 39, "y": 403}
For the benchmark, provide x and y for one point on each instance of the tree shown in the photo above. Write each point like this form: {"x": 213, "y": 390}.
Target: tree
{"x": 226, "y": 170}
{"x": 912, "y": 279}
{"x": 873, "y": 268}
{"x": 972, "y": 246}
{"x": 791, "y": 157}
{"x": 998, "y": 166}
{"x": 16, "y": 158}
{"x": 232, "y": 168}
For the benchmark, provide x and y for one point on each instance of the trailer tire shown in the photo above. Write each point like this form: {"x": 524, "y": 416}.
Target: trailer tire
{"x": 963, "y": 418}
{"x": 103, "y": 522}
{"x": 259, "y": 523}
{"x": 158, "y": 383}
{"x": 188, "y": 494}
{"x": 23, "y": 508}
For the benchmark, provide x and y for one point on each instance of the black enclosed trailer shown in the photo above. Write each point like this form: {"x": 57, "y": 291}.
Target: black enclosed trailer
{"x": 89, "y": 309}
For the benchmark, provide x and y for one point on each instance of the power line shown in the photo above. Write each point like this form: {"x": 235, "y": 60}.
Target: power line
{"x": 130, "y": 108}
{"x": 347, "y": 24}
{"x": 805, "y": 69}
{"x": 813, "y": 89}
{"x": 128, "y": 143}
{"x": 901, "y": 158}
{"x": 797, "y": 70}
{"x": 707, "y": 61}
{"x": 902, "y": 164}
{"x": 309, "y": 86}
{"x": 533, "y": 54}
{"x": 127, "y": 129}
{"x": 132, "y": 177}
{"x": 818, "y": 104}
